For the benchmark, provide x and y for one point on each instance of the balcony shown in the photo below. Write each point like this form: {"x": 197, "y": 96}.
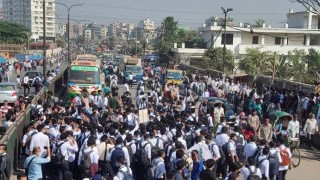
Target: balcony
{"x": 241, "y": 49}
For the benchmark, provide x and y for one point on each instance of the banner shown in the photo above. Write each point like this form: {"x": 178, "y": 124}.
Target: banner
{"x": 143, "y": 116}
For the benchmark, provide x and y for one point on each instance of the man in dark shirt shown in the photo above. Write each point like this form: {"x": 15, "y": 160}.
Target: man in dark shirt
{"x": 4, "y": 163}
{"x": 208, "y": 173}
{"x": 180, "y": 165}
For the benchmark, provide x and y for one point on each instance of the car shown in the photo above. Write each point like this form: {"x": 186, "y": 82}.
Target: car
{"x": 228, "y": 108}
{"x": 32, "y": 75}
{"x": 9, "y": 92}
{"x": 182, "y": 92}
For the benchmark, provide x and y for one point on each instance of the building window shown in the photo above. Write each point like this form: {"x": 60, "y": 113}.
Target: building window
{"x": 229, "y": 40}
{"x": 277, "y": 40}
{"x": 255, "y": 39}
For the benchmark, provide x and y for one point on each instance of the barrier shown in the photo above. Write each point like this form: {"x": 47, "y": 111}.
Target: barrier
{"x": 12, "y": 137}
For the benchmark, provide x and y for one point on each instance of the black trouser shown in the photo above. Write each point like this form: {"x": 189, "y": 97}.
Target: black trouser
{"x": 130, "y": 83}
{"x": 272, "y": 176}
{"x": 282, "y": 175}
{"x": 37, "y": 88}
{"x": 222, "y": 168}
{"x": 62, "y": 169}
{"x": 26, "y": 87}
{"x": 310, "y": 139}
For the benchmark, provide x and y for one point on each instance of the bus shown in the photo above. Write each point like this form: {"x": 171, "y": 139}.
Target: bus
{"x": 84, "y": 75}
{"x": 87, "y": 57}
{"x": 174, "y": 76}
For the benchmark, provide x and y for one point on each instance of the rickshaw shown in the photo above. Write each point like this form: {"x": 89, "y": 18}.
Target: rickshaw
{"x": 280, "y": 121}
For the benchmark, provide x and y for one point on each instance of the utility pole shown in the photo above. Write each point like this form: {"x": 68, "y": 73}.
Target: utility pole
{"x": 136, "y": 41}
{"x": 44, "y": 63}
{"x": 225, "y": 11}
{"x": 274, "y": 67}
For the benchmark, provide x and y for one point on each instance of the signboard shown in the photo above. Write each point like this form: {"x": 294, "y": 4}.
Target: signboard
{"x": 143, "y": 116}
{"x": 84, "y": 68}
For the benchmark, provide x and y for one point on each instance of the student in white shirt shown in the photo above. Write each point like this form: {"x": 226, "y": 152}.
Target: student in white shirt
{"x": 147, "y": 146}
{"x": 94, "y": 155}
{"x": 124, "y": 170}
{"x": 160, "y": 170}
{"x": 251, "y": 147}
{"x": 41, "y": 140}
{"x": 245, "y": 171}
{"x": 222, "y": 138}
{"x": 68, "y": 147}
{"x": 263, "y": 163}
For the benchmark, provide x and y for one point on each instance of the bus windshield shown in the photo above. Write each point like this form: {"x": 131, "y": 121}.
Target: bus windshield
{"x": 134, "y": 69}
{"x": 85, "y": 74}
{"x": 174, "y": 75}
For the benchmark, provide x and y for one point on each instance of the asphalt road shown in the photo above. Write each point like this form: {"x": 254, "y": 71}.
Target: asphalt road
{"x": 63, "y": 65}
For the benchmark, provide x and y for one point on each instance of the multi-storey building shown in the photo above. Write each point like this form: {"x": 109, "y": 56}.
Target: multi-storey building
{"x": 30, "y": 14}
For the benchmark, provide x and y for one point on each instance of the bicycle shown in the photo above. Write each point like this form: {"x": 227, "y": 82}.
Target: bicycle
{"x": 294, "y": 148}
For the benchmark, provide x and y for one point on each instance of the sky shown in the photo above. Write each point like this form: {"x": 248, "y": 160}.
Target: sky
{"x": 189, "y": 13}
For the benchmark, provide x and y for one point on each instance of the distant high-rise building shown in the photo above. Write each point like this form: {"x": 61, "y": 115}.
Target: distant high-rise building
{"x": 146, "y": 29}
{"x": 30, "y": 14}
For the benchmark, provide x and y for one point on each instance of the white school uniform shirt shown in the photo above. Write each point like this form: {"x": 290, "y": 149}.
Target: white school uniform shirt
{"x": 160, "y": 168}
{"x": 221, "y": 139}
{"x": 126, "y": 87}
{"x": 120, "y": 175}
{"x": 154, "y": 140}
{"x": 25, "y": 80}
{"x": 147, "y": 148}
{"x": 264, "y": 165}
{"x": 281, "y": 147}
{"x": 68, "y": 150}
{"x": 245, "y": 171}
{"x": 40, "y": 140}
{"x": 94, "y": 155}
{"x": 249, "y": 149}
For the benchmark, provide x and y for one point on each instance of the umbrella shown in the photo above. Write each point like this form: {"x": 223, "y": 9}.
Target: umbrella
{"x": 275, "y": 116}
{"x": 3, "y": 60}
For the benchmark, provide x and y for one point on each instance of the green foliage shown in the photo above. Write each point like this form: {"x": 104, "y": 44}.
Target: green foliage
{"x": 13, "y": 33}
{"x": 255, "y": 62}
{"x": 282, "y": 68}
{"x": 297, "y": 60}
{"x": 213, "y": 59}
{"x": 313, "y": 61}
{"x": 111, "y": 42}
{"x": 60, "y": 42}
{"x": 259, "y": 23}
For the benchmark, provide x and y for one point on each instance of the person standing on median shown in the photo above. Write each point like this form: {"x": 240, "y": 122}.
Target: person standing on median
{"x": 37, "y": 84}
{"x": 26, "y": 86}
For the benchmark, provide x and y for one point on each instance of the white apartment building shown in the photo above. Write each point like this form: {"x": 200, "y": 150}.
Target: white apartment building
{"x": 146, "y": 29}
{"x": 30, "y": 14}
{"x": 300, "y": 32}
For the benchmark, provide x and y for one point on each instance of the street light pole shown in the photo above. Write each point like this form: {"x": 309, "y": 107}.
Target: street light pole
{"x": 68, "y": 36}
{"x": 44, "y": 63}
{"x": 225, "y": 11}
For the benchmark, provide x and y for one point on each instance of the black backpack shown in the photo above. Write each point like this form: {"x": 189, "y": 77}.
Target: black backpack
{"x": 57, "y": 158}
{"x": 253, "y": 174}
{"x": 155, "y": 149}
{"x": 239, "y": 142}
{"x": 256, "y": 155}
{"x": 189, "y": 140}
{"x": 37, "y": 81}
{"x": 142, "y": 155}
{"x": 35, "y": 112}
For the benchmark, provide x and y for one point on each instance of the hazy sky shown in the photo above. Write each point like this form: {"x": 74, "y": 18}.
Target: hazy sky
{"x": 191, "y": 13}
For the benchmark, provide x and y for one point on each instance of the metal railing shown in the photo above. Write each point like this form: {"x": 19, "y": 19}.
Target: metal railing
{"x": 13, "y": 136}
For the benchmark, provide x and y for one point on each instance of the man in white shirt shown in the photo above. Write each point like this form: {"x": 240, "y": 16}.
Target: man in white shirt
{"x": 263, "y": 163}
{"x": 26, "y": 86}
{"x": 41, "y": 140}
{"x": 94, "y": 156}
{"x": 251, "y": 147}
{"x": 246, "y": 171}
{"x": 124, "y": 170}
{"x": 147, "y": 146}
{"x": 112, "y": 158}
{"x": 68, "y": 147}
{"x": 293, "y": 127}
{"x": 222, "y": 138}
{"x": 26, "y": 139}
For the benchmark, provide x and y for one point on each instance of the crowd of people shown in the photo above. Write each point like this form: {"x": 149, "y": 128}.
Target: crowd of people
{"x": 105, "y": 134}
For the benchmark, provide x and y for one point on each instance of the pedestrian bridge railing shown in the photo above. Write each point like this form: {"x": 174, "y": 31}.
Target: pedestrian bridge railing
{"x": 13, "y": 136}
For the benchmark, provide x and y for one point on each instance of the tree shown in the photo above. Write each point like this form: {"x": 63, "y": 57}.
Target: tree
{"x": 310, "y": 5}
{"x": 13, "y": 33}
{"x": 255, "y": 62}
{"x": 111, "y": 42}
{"x": 168, "y": 38}
{"x": 213, "y": 59}
{"x": 283, "y": 68}
{"x": 297, "y": 59}
{"x": 259, "y": 23}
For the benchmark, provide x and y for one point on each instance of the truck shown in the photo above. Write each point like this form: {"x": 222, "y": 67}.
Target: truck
{"x": 131, "y": 66}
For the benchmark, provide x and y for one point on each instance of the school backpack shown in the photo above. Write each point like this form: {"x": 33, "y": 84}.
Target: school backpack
{"x": 86, "y": 160}
{"x": 151, "y": 174}
{"x": 130, "y": 152}
{"x": 225, "y": 150}
{"x": 118, "y": 152}
{"x": 189, "y": 140}
{"x": 256, "y": 155}
{"x": 253, "y": 174}
{"x": 29, "y": 138}
{"x": 222, "y": 155}
{"x": 155, "y": 149}
{"x": 142, "y": 155}
{"x": 126, "y": 175}
{"x": 285, "y": 157}
{"x": 57, "y": 158}
{"x": 239, "y": 142}
{"x": 273, "y": 163}
{"x": 37, "y": 81}
{"x": 35, "y": 112}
